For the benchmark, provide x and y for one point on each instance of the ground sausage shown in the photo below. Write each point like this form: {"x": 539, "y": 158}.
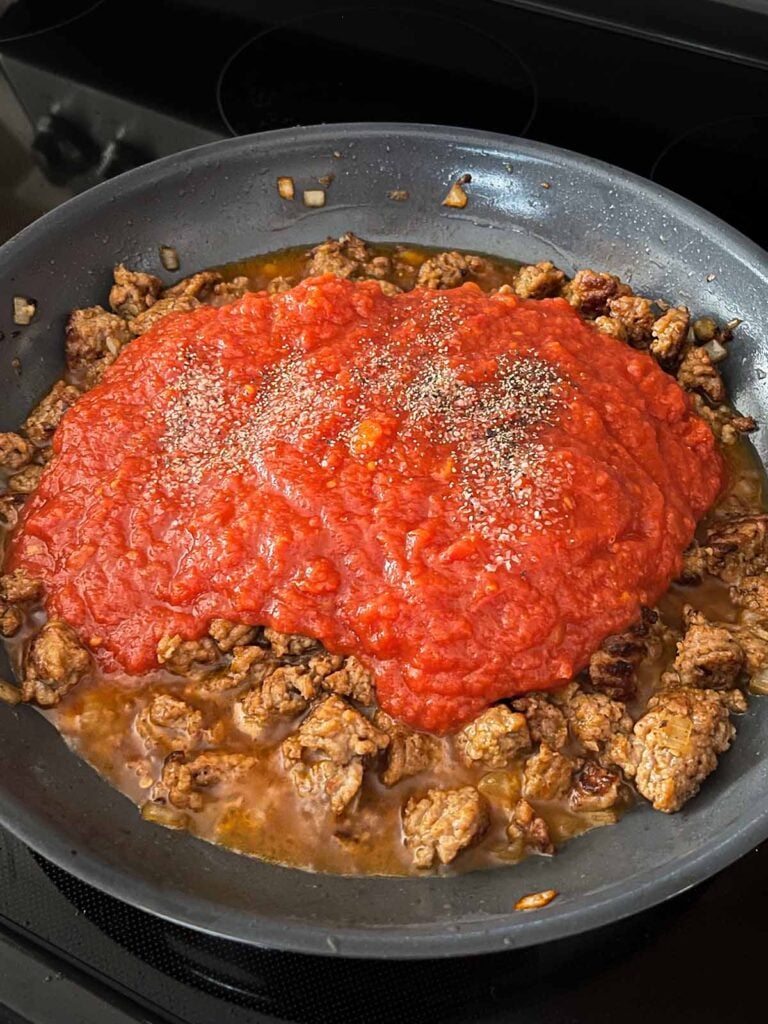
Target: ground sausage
{"x": 163, "y": 307}
{"x": 350, "y": 680}
{"x": 284, "y": 692}
{"x": 19, "y": 586}
{"x": 448, "y": 270}
{"x": 45, "y": 417}
{"x": 182, "y": 779}
{"x": 680, "y": 736}
{"x": 527, "y": 831}
{"x": 15, "y": 451}
{"x": 180, "y": 656}
{"x": 595, "y": 718}
{"x": 538, "y": 281}
{"x": 697, "y": 372}
{"x": 612, "y": 669}
{"x": 546, "y": 722}
{"x": 408, "y": 752}
{"x": 283, "y": 644}
{"x": 133, "y": 291}
{"x": 596, "y": 788}
{"x": 229, "y": 634}
{"x": 670, "y": 332}
{"x": 738, "y": 547}
{"x": 590, "y": 292}
{"x": 94, "y": 336}
{"x": 347, "y": 256}
{"x": 56, "y": 661}
{"x": 637, "y": 316}
{"x": 170, "y": 720}
{"x": 442, "y": 823}
{"x": 337, "y": 731}
{"x": 547, "y": 774}
{"x": 708, "y": 655}
{"x": 493, "y": 739}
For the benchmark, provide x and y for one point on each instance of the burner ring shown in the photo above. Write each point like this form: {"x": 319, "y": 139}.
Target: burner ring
{"x": 22, "y": 20}
{"x": 354, "y": 62}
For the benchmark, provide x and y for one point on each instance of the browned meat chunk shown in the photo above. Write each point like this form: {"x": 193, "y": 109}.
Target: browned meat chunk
{"x": 546, "y": 722}
{"x": 408, "y": 752}
{"x": 163, "y": 307}
{"x": 590, "y": 292}
{"x": 94, "y": 336}
{"x": 26, "y": 480}
{"x": 547, "y": 774}
{"x": 279, "y": 284}
{"x": 284, "y": 692}
{"x": 347, "y": 256}
{"x": 133, "y": 292}
{"x": 596, "y": 788}
{"x": 637, "y": 316}
{"x": 15, "y": 451}
{"x": 181, "y": 656}
{"x": 448, "y": 270}
{"x": 45, "y": 417}
{"x": 610, "y": 325}
{"x": 670, "y": 332}
{"x": 697, "y": 372}
{"x": 11, "y": 619}
{"x": 350, "y": 680}
{"x": 594, "y": 719}
{"x": 322, "y": 665}
{"x": 738, "y": 547}
{"x": 725, "y": 423}
{"x": 199, "y": 286}
{"x": 283, "y": 644}
{"x": 336, "y": 731}
{"x": 231, "y": 634}
{"x": 18, "y": 586}
{"x": 679, "y": 737}
{"x": 250, "y": 664}
{"x": 442, "y": 823}
{"x": 167, "y": 719}
{"x": 752, "y": 638}
{"x": 229, "y": 291}
{"x": 334, "y": 784}
{"x": 56, "y": 661}
{"x": 613, "y": 668}
{"x": 9, "y": 510}
{"x": 708, "y": 655}
{"x": 750, "y": 593}
{"x": 494, "y": 739}
{"x": 527, "y": 831}
{"x": 539, "y": 281}
{"x": 694, "y": 565}
{"x": 182, "y": 780}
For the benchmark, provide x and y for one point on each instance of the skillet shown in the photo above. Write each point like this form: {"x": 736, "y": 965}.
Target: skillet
{"x": 527, "y": 201}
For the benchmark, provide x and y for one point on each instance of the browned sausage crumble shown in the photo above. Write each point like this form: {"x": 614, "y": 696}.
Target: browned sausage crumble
{"x": 271, "y": 745}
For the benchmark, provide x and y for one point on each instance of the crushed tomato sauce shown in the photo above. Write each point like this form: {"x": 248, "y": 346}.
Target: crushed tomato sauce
{"x": 468, "y": 492}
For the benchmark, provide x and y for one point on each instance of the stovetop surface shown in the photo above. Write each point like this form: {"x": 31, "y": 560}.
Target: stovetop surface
{"x": 676, "y": 93}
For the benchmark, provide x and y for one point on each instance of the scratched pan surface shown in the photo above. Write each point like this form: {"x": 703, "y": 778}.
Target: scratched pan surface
{"x": 220, "y": 203}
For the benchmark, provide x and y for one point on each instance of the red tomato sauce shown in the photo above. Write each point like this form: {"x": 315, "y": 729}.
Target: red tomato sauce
{"x": 467, "y": 492}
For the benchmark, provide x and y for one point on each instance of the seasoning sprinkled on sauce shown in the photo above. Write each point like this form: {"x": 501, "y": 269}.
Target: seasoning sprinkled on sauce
{"x": 467, "y": 492}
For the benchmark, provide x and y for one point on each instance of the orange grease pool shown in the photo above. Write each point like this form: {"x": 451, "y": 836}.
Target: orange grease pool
{"x": 467, "y": 492}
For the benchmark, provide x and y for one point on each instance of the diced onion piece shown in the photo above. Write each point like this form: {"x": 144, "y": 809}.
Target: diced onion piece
{"x": 457, "y": 197}
{"x": 677, "y": 734}
{"x": 9, "y": 694}
{"x": 596, "y": 819}
{"x": 758, "y": 684}
{"x": 536, "y": 900}
{"x": 704, "y": 329}
{"x": 715, "y": 350}
{"x": 169, "y": 257}
{"x": 314, "y": 197}
{"x": 23, "y": 310}
{"x": 501, "y": 787}
{"x": 285, "y": 188}
{"x": 161, "y": 814}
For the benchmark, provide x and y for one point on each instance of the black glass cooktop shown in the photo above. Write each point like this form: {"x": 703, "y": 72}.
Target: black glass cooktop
{"x": 675, "y": 92}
